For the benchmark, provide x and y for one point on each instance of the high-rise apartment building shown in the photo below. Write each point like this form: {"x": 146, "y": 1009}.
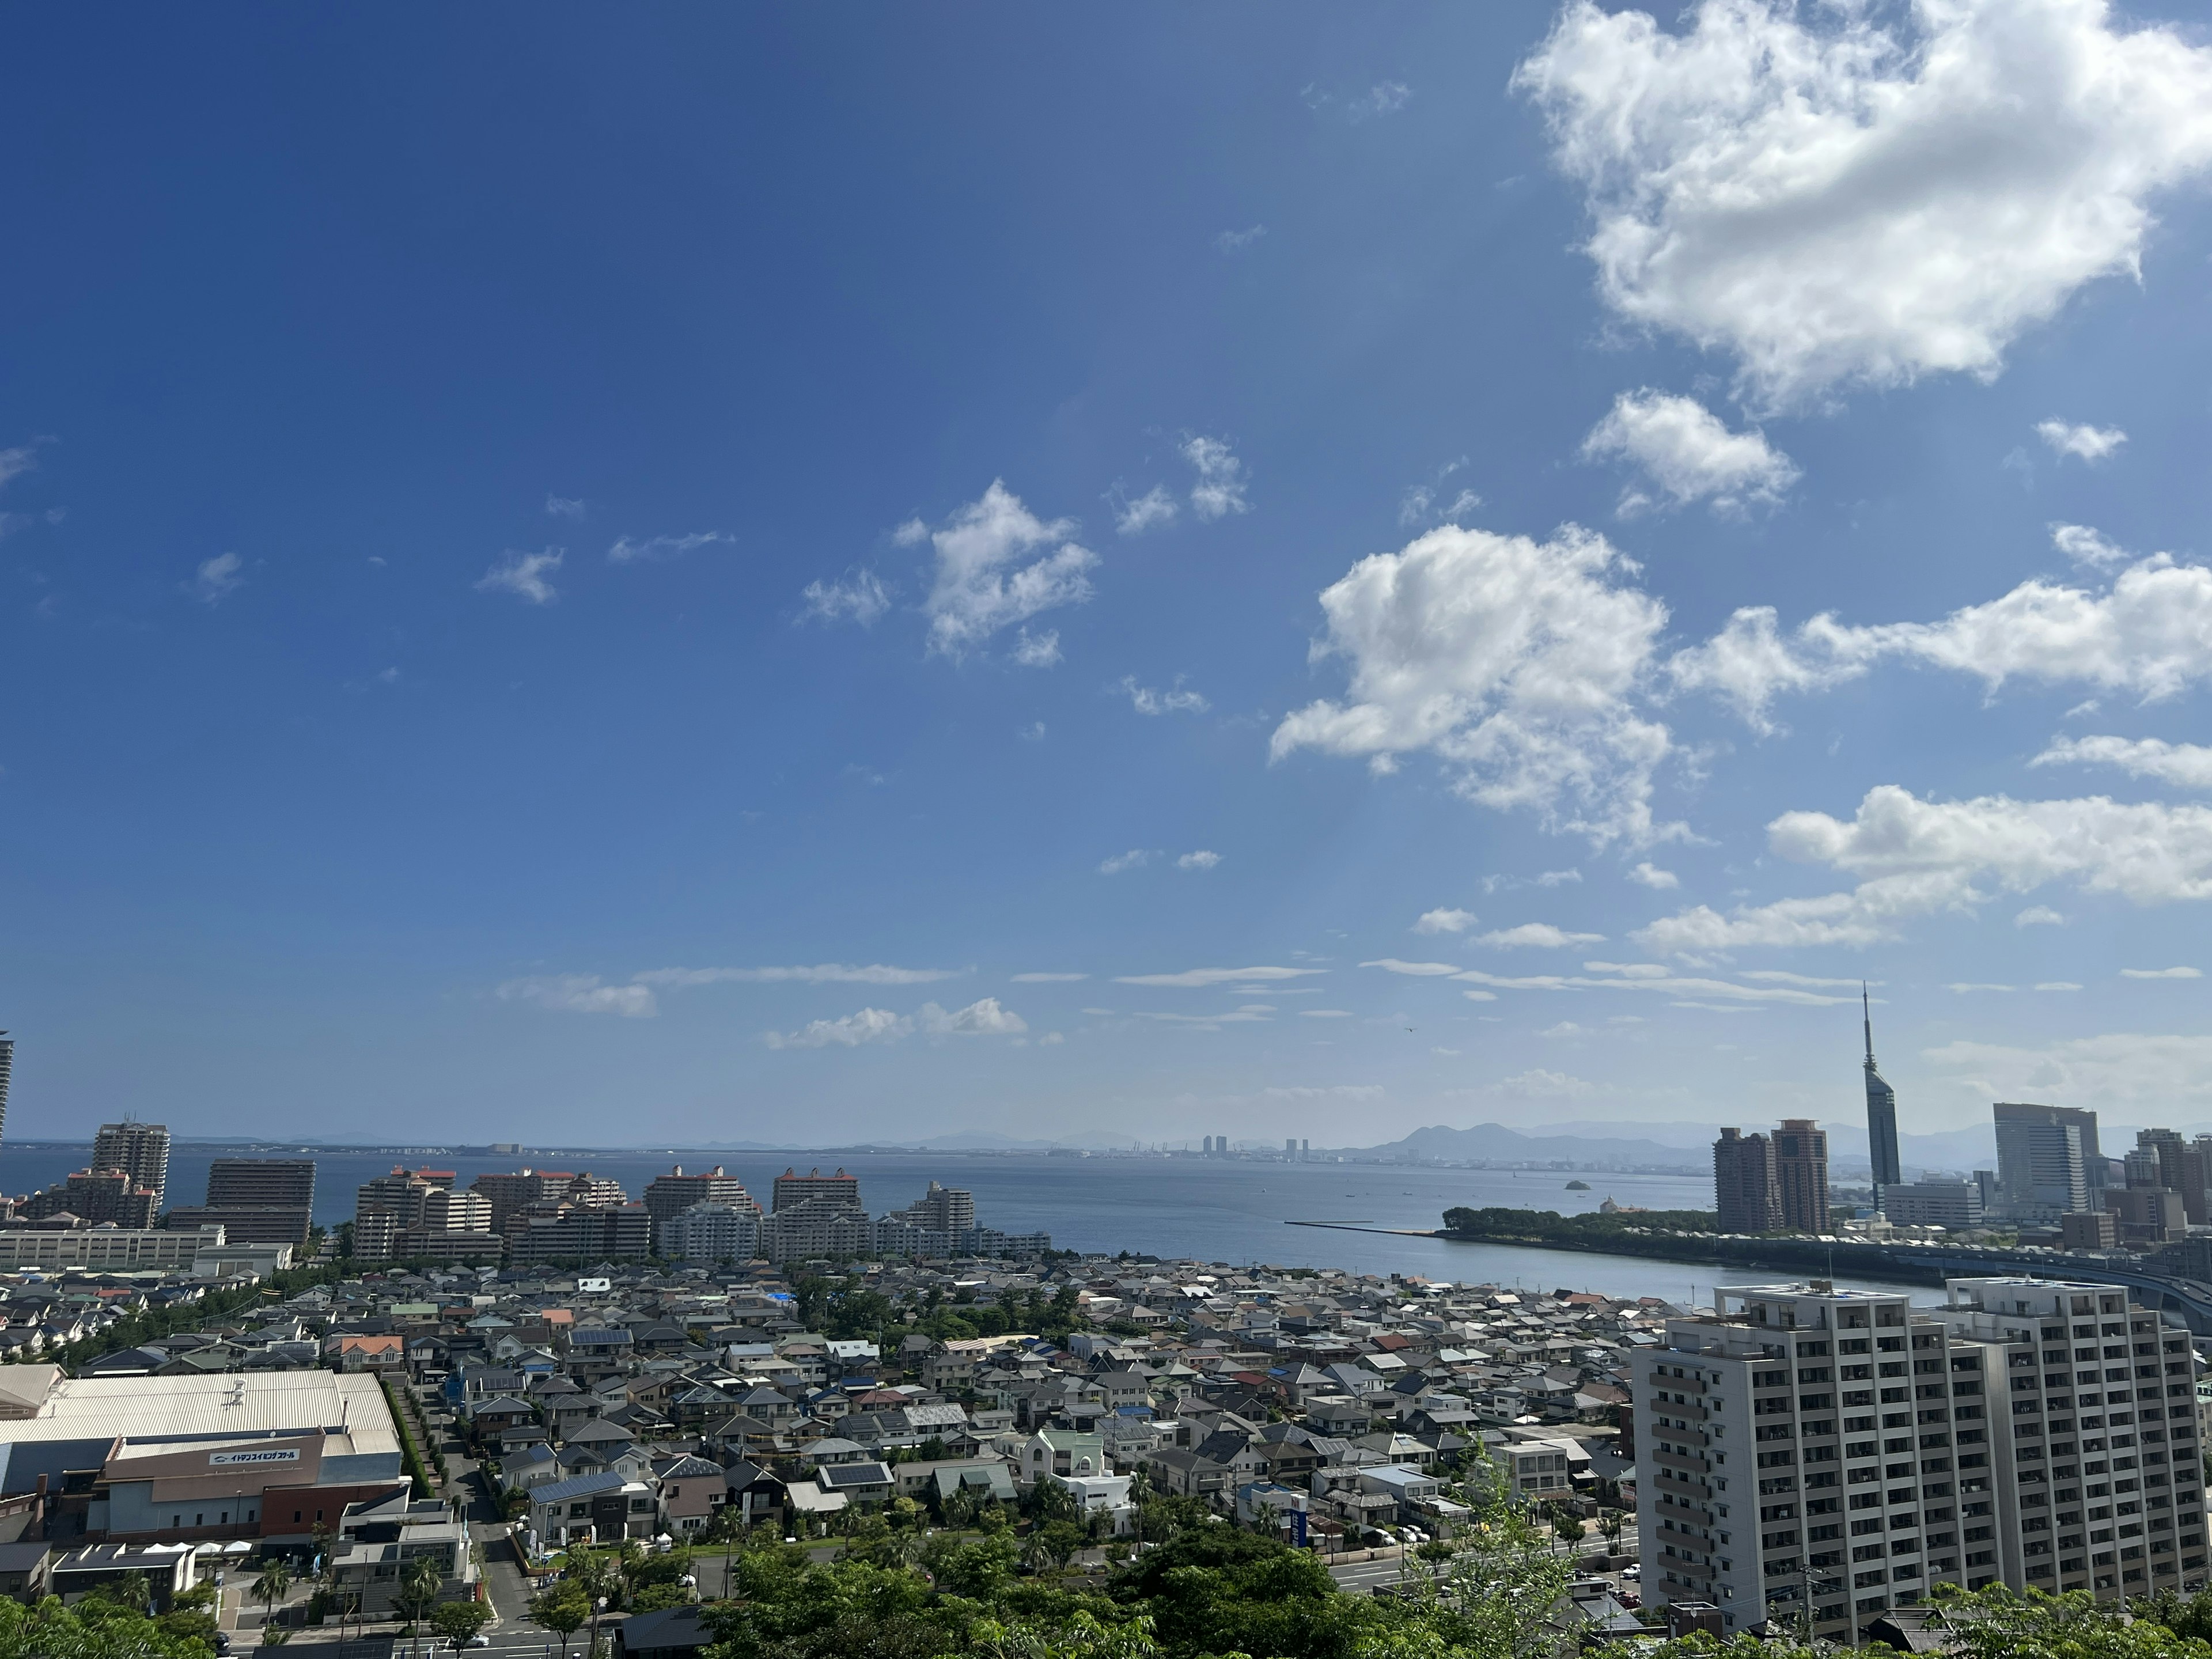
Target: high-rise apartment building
{"x": 255, "y": 1200}
{"x": 673, "y": 1194}
{"x": 249, "y": 1184}
{"x": 1882, "y": 1115}
{"x": 1821, "y": 1456}
{"x": 1800, "y": 1174}
{"x": 1744, "y": 1191}
{"x": 6, "y": 1070}
{"x": 2043, "y": 1159}
{"x": 2163, "y": 1158}
{"x": 141, "y": 1151}
{"x": 711, "y": 1232}
{"x": 405, "y": 1196}
{"x": 793, "y": 1189}
{"x": 941, "y": 1209}
{"x": 97, "y": 1196}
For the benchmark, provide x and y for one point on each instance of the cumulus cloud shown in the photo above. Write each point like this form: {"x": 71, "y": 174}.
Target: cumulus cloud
{"x": 1201, "y": 977}
{"x": 582, "y": 994}
{"x": 1146, "y": 701}
{"x": 1515, "y": 662}
{"x": 986, "y": 578}
{"x": 1648, "y": 874}
{"x": 2085, "y": 546}
{"x": 1918, "y": 857}
{"x": 1444, "y": 921}
{"x": 870, "y": 1026}
{"x": 1850, "y": 194}
{"x": 1135, "y": 859}
{"x": 2161, "y": 973}
{"x": 1687, "y": 454}
{"x": 216, "y": 578}
{"x": 1200, "y": 860}
{"x": 524, "y": 574}
{"x": 1219, "y": 490}
{"x": 2149, "y": 634}
{"x": 1149, "y": 511}
{"x": 628, "y": 550}
{"x": 2084, "y": 443}
{"x": 2038, "y": 915}
{"x": 2188, "y": 764}
{"x": 858, "y": 596}
{"x": 1540, "y": 934}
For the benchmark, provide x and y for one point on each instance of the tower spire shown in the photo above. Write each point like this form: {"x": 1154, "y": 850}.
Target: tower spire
{"x": 1866, "y": 1012}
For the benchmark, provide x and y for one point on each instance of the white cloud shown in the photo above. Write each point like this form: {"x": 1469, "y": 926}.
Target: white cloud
{"x": 1917, "y": 858}
{"x": 850, "y": 1031}
{"x": 823, "y": 972}
{"x": 2150, "y": 634}
{"x": 1384, "y": 98}
{"x": 2057, "y": 985}
{"x": 1219, "y": 490}
{"x": 982, "y": 583}
{"x": 1048, "y": 979}
{"x": 2086, "y": 443}
{"x": 2188, "y": 764}
{"x": 1200, "y": 860}
{"x": 1687, "y": 454}
{"x": 860, "y": 596}
{"x": 1146, "y": 701}
{"x": 1540, "y": 935}
{"x": 2085, "y": 546}
{"x": 2167, "y": 1079}
{"x": 1837, "y": 195}
{"x": 1963, "y": 985}
{"x": 1648, "y": 874}
{"x": 1779, "y": 977}
{"x": 1236, "y": 241}
{"x": 1037, "y": 650}
{"x": 1250, "y": 1014}
{"x": 582, "y": 994}
{"x": 2038, "y": 915}
{"x": 982, "y": 1019}
{"x": 626, "y": 550}
{"x": 1204, "y": 976}
{"x": 1618, "y": 976}
{"x": 1033, "y": 732}
{"x": 1135, "y": 859}
{"x": 216, "y": 578}
{"x": 1544, "y": 1084}
{"x": 1444, "y": 921}
{"x": 1149, "y": 511}
{"x": 1481, "y": 996}
{"x": 1515, "y": 662}
{"x": 2161, "y": 973}
{"x": 15, "y": 462}
{"x": 564, "y": 507}
{"x": 524, "y": 574}
{"x": 1325, "y": 1013}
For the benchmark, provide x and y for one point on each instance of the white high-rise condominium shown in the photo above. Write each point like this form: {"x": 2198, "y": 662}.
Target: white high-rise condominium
{"x": 141, "y": 1151}
{"x": 1816, "y": 1457}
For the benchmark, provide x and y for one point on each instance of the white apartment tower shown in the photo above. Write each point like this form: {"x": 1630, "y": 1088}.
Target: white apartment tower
{"x": 1815, "y": 1457}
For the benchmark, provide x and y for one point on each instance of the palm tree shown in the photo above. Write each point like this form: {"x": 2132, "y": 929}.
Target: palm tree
{"x": 1037, "y": 1556}
{"x": 270, "y": 1589}
{"x": 417, "y": 1595}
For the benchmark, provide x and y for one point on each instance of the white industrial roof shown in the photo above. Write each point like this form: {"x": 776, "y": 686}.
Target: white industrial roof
{"x": 245, "y": 1402}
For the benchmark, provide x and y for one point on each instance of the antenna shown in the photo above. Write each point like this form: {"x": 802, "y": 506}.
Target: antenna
{"x": 1866, "y": 1010}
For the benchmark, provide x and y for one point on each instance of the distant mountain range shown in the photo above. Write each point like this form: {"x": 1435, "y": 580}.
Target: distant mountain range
{"x": 1686, "y": 1146}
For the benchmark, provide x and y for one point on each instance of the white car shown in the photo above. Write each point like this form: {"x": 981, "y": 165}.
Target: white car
{"x": 1633, "y": 1570}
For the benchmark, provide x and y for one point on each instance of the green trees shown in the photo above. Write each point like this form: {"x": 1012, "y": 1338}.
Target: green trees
{"x": 562, "y": 1610}
{"x": 96, "y": 1628}
{"x": 456, "y": 1621}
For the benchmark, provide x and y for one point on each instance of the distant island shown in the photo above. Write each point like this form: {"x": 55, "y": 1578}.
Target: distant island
{"x": 1579, "y": 1186}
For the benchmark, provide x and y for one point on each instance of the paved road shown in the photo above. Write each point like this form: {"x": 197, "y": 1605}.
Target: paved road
{"x": 1365, "y": 1577}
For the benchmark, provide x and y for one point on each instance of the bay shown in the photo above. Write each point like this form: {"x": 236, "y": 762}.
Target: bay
{"x": 1236, "y": 1210}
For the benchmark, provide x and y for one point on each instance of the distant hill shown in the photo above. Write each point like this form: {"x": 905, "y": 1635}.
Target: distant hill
{"x": 1495, "y": 1143}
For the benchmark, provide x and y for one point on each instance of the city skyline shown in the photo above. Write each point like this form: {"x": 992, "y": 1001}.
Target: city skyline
{"x": 1063, "y": 575}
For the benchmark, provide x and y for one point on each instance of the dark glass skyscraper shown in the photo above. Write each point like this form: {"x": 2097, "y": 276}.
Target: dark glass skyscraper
{"x": 7, "y": 1065}
{"x": 1881, "y": 1113}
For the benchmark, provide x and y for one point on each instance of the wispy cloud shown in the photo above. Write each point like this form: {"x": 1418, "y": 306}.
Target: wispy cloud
{"x": 1037, "y": 650}
{"x": 564, "y": 507}
{"x": 822, "y": 973}
{"x": 985, "y": 1018}
{"x": 1539, "y": 935}
{"x": 1198, "y": 978}
{"x": 217, "y": 578}
{"x": 582, "y": 994}
{"x": 1236, "y": 241}
{"x": 1149, "y": 511}
{"x": 1146, "y": 701}
{"x": 1203, "y": 859}
{"x": 524, "y": 575}
{"x": 858, "y": 596}
{"x": 1048, "y": 979}
{"x": 628, "y": 550}
{"x": 1444, "y": 921}
{"x": 1135, "y": 859}
{"x": 2161, "y": 973}
{"x": 1384, "y": 98}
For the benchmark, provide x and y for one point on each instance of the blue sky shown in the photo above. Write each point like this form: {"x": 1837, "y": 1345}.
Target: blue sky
{"x": 678, "y": 576}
